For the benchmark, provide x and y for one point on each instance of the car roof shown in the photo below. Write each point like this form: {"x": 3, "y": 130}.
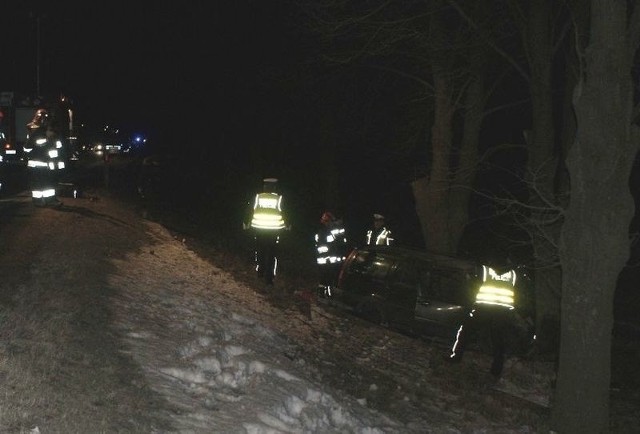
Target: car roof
{"x": 439, "y": 259}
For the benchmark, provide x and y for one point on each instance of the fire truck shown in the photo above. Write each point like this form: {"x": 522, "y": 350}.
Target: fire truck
{"x": 17, "y": 111}
{"x": 14, "y": 116}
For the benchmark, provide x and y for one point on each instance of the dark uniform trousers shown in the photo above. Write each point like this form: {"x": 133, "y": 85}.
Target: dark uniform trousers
{"x": 494, "y": 319}
{"x": 266, "y": 254}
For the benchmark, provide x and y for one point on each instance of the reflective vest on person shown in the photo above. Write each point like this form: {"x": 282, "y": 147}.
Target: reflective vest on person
{"x": 267, "y": 212}
{"x": 330, "y": 246}
{"x": 497, "y": 289}
{"x": 382, "y": 238}
{"x": 45, "y": 152}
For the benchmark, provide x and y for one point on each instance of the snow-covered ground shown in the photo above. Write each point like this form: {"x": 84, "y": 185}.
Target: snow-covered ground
{"x": 229, "y": 359}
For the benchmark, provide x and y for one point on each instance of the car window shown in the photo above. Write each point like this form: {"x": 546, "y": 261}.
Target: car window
{"x": 402, "y": 286}
{"x": 360, "y": 263}
{"x": 406, "y": 274}
{"x": 373, "y": 264}
{"x": 424, "y": 277}
{"x": 450, "y": 285}
{"x": 380, "y": 266}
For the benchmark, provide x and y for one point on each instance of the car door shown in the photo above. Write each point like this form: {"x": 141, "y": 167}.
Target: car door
{"x": 401, "y": 294}
{"x": 352, "y": 282}
{"x": 363, "y": 282}
{"x": 372, "y": 287}
{"x": 439, "y": 310}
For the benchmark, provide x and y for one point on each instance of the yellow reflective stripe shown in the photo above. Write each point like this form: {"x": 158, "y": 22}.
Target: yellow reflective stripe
{"x": 267, "y": 221}
{"x": 36, "y": 163}
{"x": 489, "y": 294}
{"x": 260, "y": 226}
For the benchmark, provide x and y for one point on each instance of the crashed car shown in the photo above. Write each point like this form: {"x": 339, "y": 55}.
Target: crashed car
{"x": 422, "y": 294}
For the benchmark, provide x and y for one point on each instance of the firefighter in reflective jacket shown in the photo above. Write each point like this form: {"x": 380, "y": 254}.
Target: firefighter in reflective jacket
{"x": 378, "y": 234}
{"x": 267, "y": 222}
{"x": 331, "y": 250}
{"x": 43, "y": 150}
{"x": 493, "y": 308}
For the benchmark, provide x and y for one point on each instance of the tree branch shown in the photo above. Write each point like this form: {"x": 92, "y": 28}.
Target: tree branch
{"x": 489, "y": 42}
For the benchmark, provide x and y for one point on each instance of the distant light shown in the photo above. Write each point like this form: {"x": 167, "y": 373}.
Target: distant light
{"x": 138, "y": 140}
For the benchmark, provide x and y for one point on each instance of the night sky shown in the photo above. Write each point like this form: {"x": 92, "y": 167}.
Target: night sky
{"x": 239, "y": 86}
{"x": 234, "y": 85}
{"x": 156, "y": 65}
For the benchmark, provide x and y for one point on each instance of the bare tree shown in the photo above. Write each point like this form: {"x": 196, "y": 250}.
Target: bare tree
{"x": 427, "y": 44}
{"x": 595, "y": 235}
{"x": 432, "y": 192}
{"x": 543, "y": 26}
{"x": 581, "y": 245}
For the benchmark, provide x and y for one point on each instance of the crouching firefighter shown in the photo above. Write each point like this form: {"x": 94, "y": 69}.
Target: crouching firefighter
{"x": 493, "y": 311}
{"x": 44, "y": 160}
{"x": 267, "y": 223}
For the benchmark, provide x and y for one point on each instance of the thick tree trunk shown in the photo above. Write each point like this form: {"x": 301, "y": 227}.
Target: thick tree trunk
{"x": 432, "y": 193}
{"x": 542, "y": 168}
{"x": 595, "y": 236}
{"x": 442, "y": 200}
{"x": 442, "y": 197}
{"x": 467, "y": 167}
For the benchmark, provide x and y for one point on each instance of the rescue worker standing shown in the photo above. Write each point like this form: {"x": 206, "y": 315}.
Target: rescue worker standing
{"x": 378, "y": 234}
{"x": 43, "y": 150}
{"x": 331, "y": 250}
{"x": 492, "y": 310}
{"x": 267, "y": 222}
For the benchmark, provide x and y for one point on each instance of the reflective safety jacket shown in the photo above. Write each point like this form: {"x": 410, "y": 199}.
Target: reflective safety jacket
{"x": 331, "y": 244}
{"x": 267, "y": 212}
{"x": 43, "y": 151}
{"x": 497, "y": 289}
{"x": 381, "y": 237}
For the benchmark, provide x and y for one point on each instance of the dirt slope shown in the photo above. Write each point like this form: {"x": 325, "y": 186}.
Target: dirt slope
{"x": 79, "y": 279}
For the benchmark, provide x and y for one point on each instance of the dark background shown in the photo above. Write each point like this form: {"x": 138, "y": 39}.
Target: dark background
{"x": 240, "y": 90}
{"x": 150, "y": 67}
{"x": 235, "y": 88}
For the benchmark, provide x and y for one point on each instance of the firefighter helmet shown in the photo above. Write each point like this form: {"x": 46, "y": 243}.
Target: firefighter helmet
{"x": 41, "y": 116}
{"x": 327, "y": 217}
{"x": 40, "y": 119}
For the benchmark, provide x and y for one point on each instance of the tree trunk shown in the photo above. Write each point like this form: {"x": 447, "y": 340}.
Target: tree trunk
{"x": 595, "y": 236}
{"x": 542, "y": 168}
{"x": 442, "y": 197}
{"x": 467, "y": 166}
{"x": 432, "y": 193}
